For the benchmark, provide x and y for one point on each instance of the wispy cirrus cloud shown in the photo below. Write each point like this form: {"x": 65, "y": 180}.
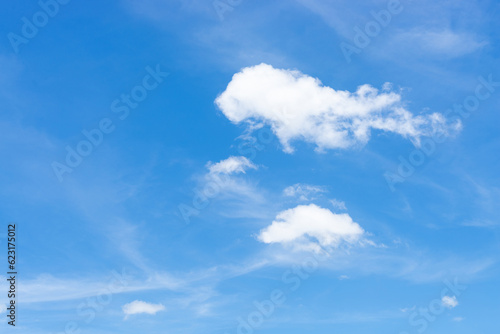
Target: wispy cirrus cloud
{"x": 231, "y": 165}
{"x": 225, "y": 181}
{"x": 439, "y": 42}
{"x": 303, "y": 192}
{"x": 338, "y": 205}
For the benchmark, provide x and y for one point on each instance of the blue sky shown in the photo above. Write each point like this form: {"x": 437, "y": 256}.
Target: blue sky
{"x": 230, "y": 166}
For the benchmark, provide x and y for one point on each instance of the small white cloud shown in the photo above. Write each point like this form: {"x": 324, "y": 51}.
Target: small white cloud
{"x": 3, "y": 308}
{"x": 302, "y": 191}
{"x": 458, "y": 319}
{"x": 310, "y": 226}
{"x": 224, "y": 182}
{"x": 298, "y": 107}
{"x": 138, "y": 307}
{"x": 232, "y": 165}
{"x": 339, "y": 205}
{"x": 407, "y": 309}
{"x": 222, "y": 178}
{"x": 343, "y": 277}
{"x": 449, "y": 302}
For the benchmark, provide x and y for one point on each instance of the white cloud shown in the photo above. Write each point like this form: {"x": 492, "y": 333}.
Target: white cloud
{"x": 138, "y": 307}
{"x": 232, "y": 165}
{"x": 339, "y": 205}
{"x": 310, "y": 226}
{"x": 407, "y": 309}
{"x": 298, "y": 107}
{"x": 47, "y": 288}
{"x": 224, "y": 188}
{"x": 458, "y": 319}
{"x": 302, "y": 191}
{"x": 443, "y": 42}
{"x": 449, "y": 302}
{"x": 331, "y": 15}
{"x": 222, "y": 180}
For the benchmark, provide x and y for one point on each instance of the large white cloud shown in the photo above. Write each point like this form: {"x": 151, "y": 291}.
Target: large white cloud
{"x": 298, "y": 107}
{"x": 310, "y": 226}
{"x": 138, "y": 307}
